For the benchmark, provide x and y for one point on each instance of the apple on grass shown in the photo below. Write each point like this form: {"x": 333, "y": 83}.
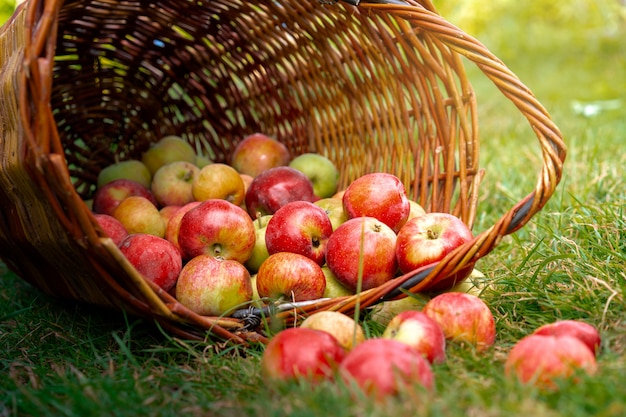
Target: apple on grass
{"x": 172, "y": 183}
{"x": 140, "y": 215}
{"x": 131, "y": 169}
{"x": 464, "y": 318}
{"x": 218, "y": 228}
{"x": 320, "y": 170}
{"x": 334, "y": 209}
{"x": 427, "y": 239}
{"x": 112, "y": 227}
{"x": 173, "y": 225}
{"x": 419, "y": 331}
{"x": 545, "y": 360}
{"x": 259, "y": 252}
{"x": 299, "y": 227}
{"x": 109, "y": 196}
{"x": 379, "y": 195}
{"x": 587, "y": 333}
{"x": 257, "y": 153}
{"x": 345, "y": 329}
{"x": 290, "y": 277}
{"x": 219, "y": 181}
{"x": 382, "y": 313}
{"x": 299, "y": 353}
{"x": 276, "y": 187}
{"x": 384, "y": 368}
{"x": 362, "y": 250}
{"x": 168, "y": 149}
{"x": 154, "y": 257}
{"x": 213, "y": 287}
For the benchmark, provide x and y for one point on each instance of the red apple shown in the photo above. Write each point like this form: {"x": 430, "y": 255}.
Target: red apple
{"x": 112, "y": 227}
{"x": 345, "y": 329}
{"x": 219, "y": 228}
{"x": 301, "y": 353}
{"x": 173, "y": 225}
{"x": 544, "y": 360}
{"x": 382, "y": 368}
{"x": 212, "y": 286}
{"x": 362, "y": 244}
{"x": 172, "y": 183}
{"x": 140, "y": 215}
{"x": 587, "y": 333}
{"x": 276, "y": 187}
{"x": 154, "y": 257}
{"x": 109, "y": 196}
{"x": 420, "y": 332}
{"x": 167, "y": 212}
{"x": 299, "y": 227}
{"x": 291, "y": 276}
{"x": 379, "y": 195}
{"x": 257, "y": 153}
{"x": 463, "y": 318}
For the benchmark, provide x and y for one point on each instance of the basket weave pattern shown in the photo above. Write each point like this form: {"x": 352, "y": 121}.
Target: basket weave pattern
{"x": 375, "y": 87}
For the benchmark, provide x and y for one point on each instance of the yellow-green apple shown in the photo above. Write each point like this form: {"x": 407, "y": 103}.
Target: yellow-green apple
{"x": 379, "y": 195}
{"x": 299, "y": 353}
{"x": 140, "y": 215}
{"x": 107, "y": 198}
{"x": 257, "y": 153}
{"x": 345, "y": 329}
{"x": 420, "y": 332}
{"x": 382, "y": 368}
{"x": 415, "y": 210}
{"x": 112, "y": 227}
{"x": 154, "y": 257}
{"x": 131, "y": 169}
{"x": 202, "y": 160}
{"x": 173, "y": 225}
{"x": 299, "y": 227}
{"x": 167, "y": 212}
{"x": 172, "y": 183}
{"x": 219, "y": 181}
{"x": 544, "y": 360}
{"x": 321, "y": 171}
{"x": 219, "y": 228}
{"x": 463, "y": 318}
{"x": 334, "y": 288}
{"x": 213, "y": 286}
{"x": 276, "y": 187}
{"x": 587, "y": 333}
{"x": 290, "y": 276}
{"x": 259, "y": 252}
{"x": 168, "y": 149}
{"x": 382, "y": 313}
{"x": 362, "y": 249}
{"x": 427, "y": 239}
{"x": 257, "y": 301}
{"x": 334, "y": 209}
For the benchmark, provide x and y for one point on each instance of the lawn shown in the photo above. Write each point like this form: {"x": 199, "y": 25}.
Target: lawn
{"x": 65, "y": 359}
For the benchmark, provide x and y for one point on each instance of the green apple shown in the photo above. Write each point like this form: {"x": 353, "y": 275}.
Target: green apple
{"x": 334, "y": 208}
{"x": 321, "y": 171}
{"x": 202, "y": 161}
{"x": 131, "y": 169}
{"x": 382, "y": 313}
{"x": 168, "y": 149}
{"x": 259, "y": 252}
{"x": 334, "y": 288}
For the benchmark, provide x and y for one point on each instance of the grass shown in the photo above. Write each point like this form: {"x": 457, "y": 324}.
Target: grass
{"x": 67, "y": 359}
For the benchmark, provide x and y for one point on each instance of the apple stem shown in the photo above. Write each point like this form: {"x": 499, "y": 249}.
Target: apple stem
{"x": 316, "y": 242}
{"x": 431, "y": 234}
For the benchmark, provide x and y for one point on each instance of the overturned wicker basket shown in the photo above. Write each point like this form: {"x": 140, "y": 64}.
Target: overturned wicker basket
{"x": 375, "y": 86}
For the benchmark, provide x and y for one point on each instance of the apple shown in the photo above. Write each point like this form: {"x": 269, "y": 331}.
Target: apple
{"x": 168, "y": 149}
{"x": 219, "y": 181}
{"x": 257, "y": 153}
{"x": 107, "y": 198}
{"x": 290, "y": 276}
{"x": 379, "y": 195}
{"x": 334, "y": 209}
{"x": 202, "y": 160}
{"x": 587, "y": 333}
{"x": 218, "y": 228}
{"x": 259, "y": 252}
{"x": 345, "y": 329}
{"x": 420, "y": 332}
{"x": 382, "y": 368}
{"x": 154, "y": 257}
{"x": 544, "y": 360}
{"x": 299, "y": 353}
{"x": 276, "y": 187}
{"x": 167, "y": 212}
{"x": 299, "y": 227}
{"x": 212, "y": 286}
{"x": 415, "y": 210}
{"x": 257, "y": 301}
{"x": 383, "y": 312}
{"x": 140, "y": 215}
{"x": 320, "y": 170}
{"x": 173, "y": 225}
{"x": 334, "y": 288}
{"x": 112, "y": 227}
{"x": 463, "y": 318}
{"x": 172, "y": 183}
{"x": 427, "y": 239}
{"x": 366, "y": 245}
{"x": 131, "y": 169}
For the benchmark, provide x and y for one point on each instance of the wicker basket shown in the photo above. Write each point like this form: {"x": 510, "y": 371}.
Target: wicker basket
{"x": 376, "y": 86}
